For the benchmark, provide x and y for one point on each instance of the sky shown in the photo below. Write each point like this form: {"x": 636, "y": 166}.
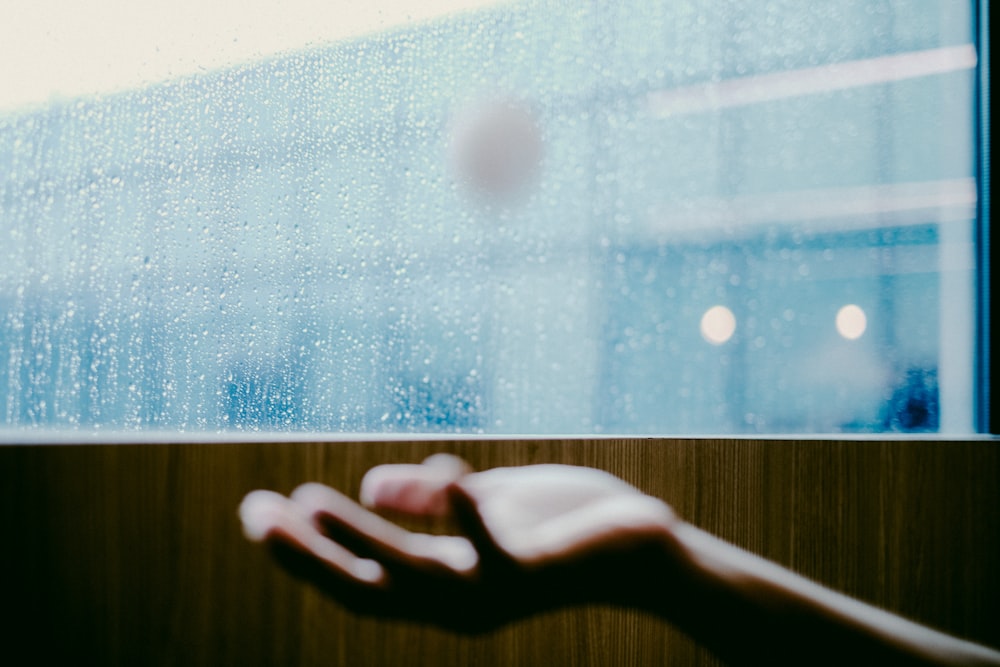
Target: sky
{"x": 52, "y": 49}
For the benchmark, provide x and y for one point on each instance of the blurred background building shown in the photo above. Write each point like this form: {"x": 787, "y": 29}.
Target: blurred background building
{"x": 704, "y": 217}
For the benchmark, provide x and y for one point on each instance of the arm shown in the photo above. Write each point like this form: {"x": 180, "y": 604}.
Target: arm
{"x": 773, "y": 616}
{"x": 540, "y": 537}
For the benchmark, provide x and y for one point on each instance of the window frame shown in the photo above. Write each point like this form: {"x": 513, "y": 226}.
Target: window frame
{"x": 987, "y": 419}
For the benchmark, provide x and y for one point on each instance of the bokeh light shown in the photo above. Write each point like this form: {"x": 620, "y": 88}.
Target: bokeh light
{"x": 718, "y": 325}
{"x": 851, "y": 322}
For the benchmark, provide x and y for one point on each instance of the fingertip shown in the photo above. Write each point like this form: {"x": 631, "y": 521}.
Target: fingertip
{"x": 461, "y": 555}
{"x": 367, "y": 570}
{"x": 260, "y": 512}
{"x": 455, "y": 467}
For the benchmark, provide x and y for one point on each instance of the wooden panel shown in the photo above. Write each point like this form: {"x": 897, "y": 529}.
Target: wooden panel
{"x": 132, "y": 554}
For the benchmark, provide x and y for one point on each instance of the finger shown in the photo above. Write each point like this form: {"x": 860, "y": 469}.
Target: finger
{"x": 343, "y": 518}
{"x": 418, "y": 490}
{"x": 494, "y": 560}
{"x": 269, "y": 516}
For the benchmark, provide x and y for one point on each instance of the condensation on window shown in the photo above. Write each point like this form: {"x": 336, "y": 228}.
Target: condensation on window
{"x": 678, "y": 217}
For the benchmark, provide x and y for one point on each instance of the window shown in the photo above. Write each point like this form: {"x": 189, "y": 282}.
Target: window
{"x": 701, "y": 217}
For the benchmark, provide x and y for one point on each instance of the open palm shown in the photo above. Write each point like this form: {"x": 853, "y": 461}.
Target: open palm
{"x": 531, "y": 538}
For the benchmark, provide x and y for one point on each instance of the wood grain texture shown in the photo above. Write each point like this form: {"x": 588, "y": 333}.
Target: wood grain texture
{"x": 132, "y": 554}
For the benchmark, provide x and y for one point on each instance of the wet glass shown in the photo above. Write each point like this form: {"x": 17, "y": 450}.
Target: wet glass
{"x": 658, "y": 218}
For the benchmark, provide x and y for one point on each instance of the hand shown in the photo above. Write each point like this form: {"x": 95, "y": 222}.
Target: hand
{"x": 532, "y": 538}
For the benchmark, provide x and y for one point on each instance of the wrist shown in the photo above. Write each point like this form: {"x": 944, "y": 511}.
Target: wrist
{"x": 662, "y": 571}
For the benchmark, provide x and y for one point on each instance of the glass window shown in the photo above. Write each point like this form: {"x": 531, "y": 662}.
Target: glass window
{"x": 684, "y": 217}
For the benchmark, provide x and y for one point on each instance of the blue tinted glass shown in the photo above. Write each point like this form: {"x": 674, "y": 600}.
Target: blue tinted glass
{"x": 694, "y": 217}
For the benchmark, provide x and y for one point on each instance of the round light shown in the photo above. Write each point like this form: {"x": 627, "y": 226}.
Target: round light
{"x": 718, "y": 325}
{"x": 851, "y": 322}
